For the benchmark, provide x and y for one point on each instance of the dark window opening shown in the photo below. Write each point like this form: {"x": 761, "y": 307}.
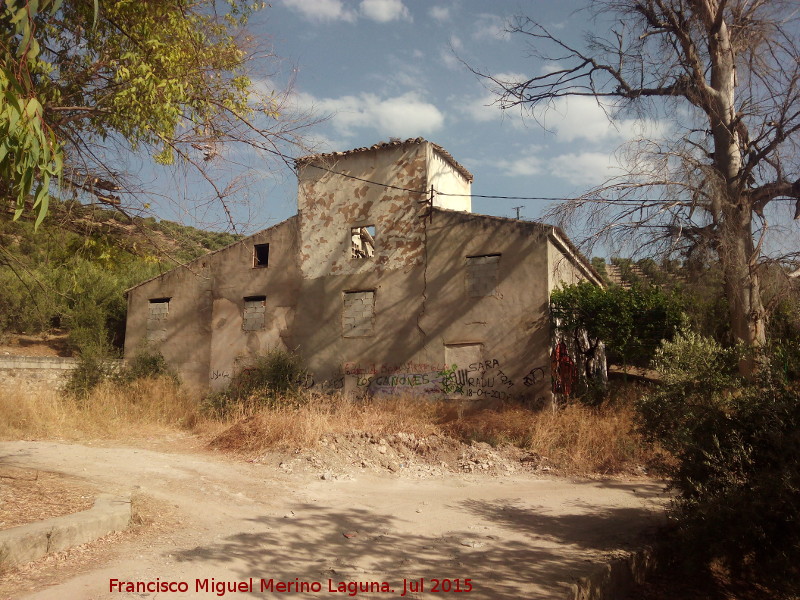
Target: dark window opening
{"x": 261, "y": 255}
{"x": 362, "y": 241}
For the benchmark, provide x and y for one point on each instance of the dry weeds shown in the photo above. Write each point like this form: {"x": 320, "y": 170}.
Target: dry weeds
{"x": 575, "y": 439}
{"x": 144, "y": 407}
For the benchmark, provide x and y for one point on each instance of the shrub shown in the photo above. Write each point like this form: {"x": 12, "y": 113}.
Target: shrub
{"x": 267, "y": 380}
{"x": 737, "y": 450}
{"x": 94, "y": 367}
{"x": 146, "y": 363}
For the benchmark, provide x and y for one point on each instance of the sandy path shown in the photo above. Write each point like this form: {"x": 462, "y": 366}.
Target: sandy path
{"x": 513, "y": 537}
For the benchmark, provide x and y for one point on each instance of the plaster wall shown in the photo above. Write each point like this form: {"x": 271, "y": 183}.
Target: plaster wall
{"x": 187, "y": 325}
{"x": 429, "y": 334}
{"x": 445, "y": 179}
{"x": 236, "y": 278}
{"x": 563, "y": 267}
{"x": 331, "y": 204}
{"x": 449, "y": 304}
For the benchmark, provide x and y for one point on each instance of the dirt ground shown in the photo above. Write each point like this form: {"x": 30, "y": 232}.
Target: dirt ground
{"x": 54, "y": 344}
{"x": 356, "y": 509}
{"x": 28, "y": 495}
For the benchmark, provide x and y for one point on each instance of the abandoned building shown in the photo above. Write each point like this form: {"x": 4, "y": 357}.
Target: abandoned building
{"x": 383, "y": 282}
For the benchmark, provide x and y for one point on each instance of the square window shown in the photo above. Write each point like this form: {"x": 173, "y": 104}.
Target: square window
{"x": 482, "y": 275}
{"x": 254, "y": 312}
{"x": 260, "y": 255}
{"x": 362, "y": 241}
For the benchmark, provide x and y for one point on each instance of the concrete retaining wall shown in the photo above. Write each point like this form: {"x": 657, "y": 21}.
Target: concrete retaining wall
{"x": 26, "y": 543}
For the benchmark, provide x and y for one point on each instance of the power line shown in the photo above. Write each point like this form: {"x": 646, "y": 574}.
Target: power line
{"x": 386, "y": 185}
{"x": 488, "y": 196}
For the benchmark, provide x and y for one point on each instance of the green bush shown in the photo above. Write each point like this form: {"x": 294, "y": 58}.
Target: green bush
{"x": 737, "y": 445}
{"x": 630, "y": 322}
{"x": 146, "y": 363}
{"x": 266, "y": 380}
{"x": 94, "y": 367}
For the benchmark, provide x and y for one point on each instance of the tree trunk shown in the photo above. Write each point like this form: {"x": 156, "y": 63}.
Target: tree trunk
{"x": 731, "y": 210}
{"x": 742, "y": 284}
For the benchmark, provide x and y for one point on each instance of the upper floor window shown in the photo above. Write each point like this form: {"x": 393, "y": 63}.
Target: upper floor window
{"x": 261, "y": 255}
{"x": 362, "y": 241}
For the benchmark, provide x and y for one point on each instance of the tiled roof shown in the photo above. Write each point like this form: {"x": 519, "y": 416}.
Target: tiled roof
{"x": 393, "y": 144}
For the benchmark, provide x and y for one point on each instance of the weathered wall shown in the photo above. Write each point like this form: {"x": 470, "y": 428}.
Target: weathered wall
{"x": 187, "y": 326}
{"x": 330, "y": 204}
{"x": 449, "y": 304}
{"x": 446, "y": 179}
{"x": 203, "y": 332}
{"x": 235, "y": 278}
{"x": 564, "y": 267}
{"x": 430, "y": 335}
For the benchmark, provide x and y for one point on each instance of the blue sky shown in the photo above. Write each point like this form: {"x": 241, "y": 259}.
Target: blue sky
{"x": 392, "y": 68}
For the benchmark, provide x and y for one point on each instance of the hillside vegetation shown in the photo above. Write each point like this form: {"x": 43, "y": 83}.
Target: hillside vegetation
{"x": 70, "y": 275}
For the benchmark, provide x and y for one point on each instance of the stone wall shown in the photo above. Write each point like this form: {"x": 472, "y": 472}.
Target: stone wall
{"x": 37, "y": 372}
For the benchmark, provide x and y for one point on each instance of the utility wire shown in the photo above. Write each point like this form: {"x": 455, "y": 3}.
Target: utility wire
{"x": 386, "y": 185}
{"x": 485, "y": 196}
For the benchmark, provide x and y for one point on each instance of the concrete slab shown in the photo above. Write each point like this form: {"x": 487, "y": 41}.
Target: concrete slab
{"x": 30, "y": 542}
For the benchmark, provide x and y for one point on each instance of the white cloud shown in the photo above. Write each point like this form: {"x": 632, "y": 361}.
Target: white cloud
{"x": 524, "y": 166}
{"x": 322, "y": 10}
{"x": 440, "y": 13}
{"x": 407, "y": 115}
{"x": 490, "y": 27}
{"x": 584, "y": 168}
{"x": 482, "y": 109}
{"x": 551, "y": 67}
{"x": 580, "y": 118}
{"x": 384, "y": 11}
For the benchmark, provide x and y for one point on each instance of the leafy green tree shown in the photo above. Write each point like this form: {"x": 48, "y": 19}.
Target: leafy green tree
{"x": 629, "y": 322}
{"x": 172, "y": 78}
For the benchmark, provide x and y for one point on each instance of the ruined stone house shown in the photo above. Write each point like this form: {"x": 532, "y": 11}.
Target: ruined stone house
{"x": 384, "y": 282}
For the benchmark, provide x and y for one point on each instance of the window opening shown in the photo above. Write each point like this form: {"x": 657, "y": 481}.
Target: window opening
{"x": 261, "y": 255}
{"x": 358, "y": 314}
{"x": 482, "y": 275}
{"x": 254, "y": 315}
{"x": 362, "y": 241}
{"x": 157, "y": 312}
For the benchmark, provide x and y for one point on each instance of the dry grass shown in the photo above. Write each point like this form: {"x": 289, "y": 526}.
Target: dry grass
{"x": 302, "y": 426}
{"x": 110, "y": 411}
{"x": 576, "y": 439}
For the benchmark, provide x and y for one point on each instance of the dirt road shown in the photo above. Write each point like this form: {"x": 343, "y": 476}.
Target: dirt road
{"x": 497, "y": 538}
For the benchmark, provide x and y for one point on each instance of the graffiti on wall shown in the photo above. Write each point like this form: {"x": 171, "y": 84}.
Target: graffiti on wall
{"x": 480, "y": 380}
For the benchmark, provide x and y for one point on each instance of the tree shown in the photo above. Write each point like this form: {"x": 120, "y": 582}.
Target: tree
{"x": 630, "y": 322}
{"x": 81, "y": 81}
{"x": 728, "y": 71}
